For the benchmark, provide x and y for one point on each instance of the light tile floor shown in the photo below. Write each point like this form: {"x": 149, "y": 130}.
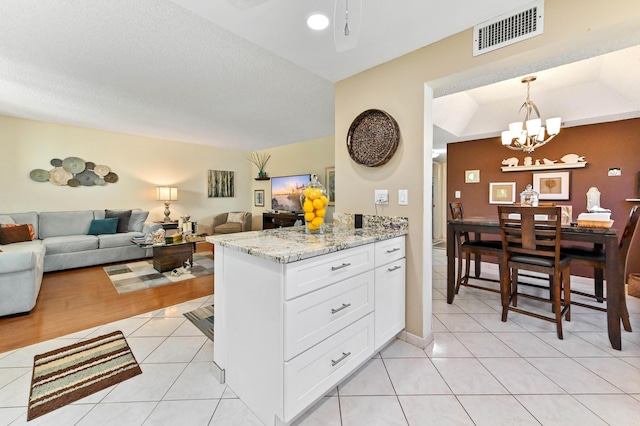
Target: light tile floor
{"x": 478, "y": 371}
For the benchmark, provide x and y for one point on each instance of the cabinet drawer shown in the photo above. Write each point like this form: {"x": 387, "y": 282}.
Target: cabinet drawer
{"x": 390, "y": 301}
{"x": 314, "y": 372}
{"x": 389, "y": 250}
{"x": 314, "y": 317}
{"x": 311, "y": 274}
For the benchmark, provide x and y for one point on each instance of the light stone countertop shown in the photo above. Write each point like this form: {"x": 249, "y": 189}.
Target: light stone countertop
{"x": 286, "y": 245}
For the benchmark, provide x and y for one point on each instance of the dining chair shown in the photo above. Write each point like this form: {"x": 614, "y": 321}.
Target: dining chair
{"x": 531, "y": 242}
{"x": 595, "y": 258}
{"x": 467, "y": 246}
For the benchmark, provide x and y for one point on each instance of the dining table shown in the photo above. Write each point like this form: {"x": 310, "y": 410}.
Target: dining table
{"x": 601, "y": 238}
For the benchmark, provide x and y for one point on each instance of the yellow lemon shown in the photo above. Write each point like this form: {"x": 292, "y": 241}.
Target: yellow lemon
{"x": 325, "y": 200}
{"x": 306, "y": 192}
{"x": 309, "y": 216}
{"x": 317, "y": 204}
{"x": 320, "y": 212}
{"x": 317, "y": 222}
{"x": 311, "y": 226}
{"x": 308, "y": 206}
{"x": 314, "y": 193}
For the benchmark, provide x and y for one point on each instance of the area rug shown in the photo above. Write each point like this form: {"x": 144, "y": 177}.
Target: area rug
{"x": 140, "y": 275}
{"x": 65, "y": 375}
{"x": 203, "y": 319}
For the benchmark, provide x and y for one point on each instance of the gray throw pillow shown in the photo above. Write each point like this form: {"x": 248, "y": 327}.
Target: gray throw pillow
{"x": 138, "y": 217}
{"x": 123, "y": 215}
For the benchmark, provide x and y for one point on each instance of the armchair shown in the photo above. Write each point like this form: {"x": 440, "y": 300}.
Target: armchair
{"x": 231, "y": 222}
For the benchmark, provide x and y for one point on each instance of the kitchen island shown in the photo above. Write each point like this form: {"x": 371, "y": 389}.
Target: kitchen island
{"x": 295, "y": 313}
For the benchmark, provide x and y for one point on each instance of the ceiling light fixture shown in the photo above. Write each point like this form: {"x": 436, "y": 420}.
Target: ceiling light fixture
{"x": 529, "y": 134}
{"x": 317, "y": 21}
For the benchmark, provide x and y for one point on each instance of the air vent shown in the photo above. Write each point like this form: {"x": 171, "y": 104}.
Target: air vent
{"x": 513, "y": 27}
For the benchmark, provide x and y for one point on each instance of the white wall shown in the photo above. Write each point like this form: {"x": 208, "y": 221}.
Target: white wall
{"x": 141, "y": 164}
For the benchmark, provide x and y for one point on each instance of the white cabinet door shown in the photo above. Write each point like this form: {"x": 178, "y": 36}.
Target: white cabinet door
{"x": 389, "y": 301}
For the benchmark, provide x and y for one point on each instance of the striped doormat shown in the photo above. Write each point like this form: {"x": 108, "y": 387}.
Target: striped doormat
{"x": 203, "y": 319}
{"x": 68, "y": 374}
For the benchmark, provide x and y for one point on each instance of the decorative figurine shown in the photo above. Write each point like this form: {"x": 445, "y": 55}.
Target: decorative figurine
{"x": 528, "y": 161}
{"x": 572, "y": 158}
{"x": 511, "y": 162}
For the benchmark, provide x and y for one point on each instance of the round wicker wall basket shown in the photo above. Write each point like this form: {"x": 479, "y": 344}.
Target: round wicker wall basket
{"x": 373, "y": 138}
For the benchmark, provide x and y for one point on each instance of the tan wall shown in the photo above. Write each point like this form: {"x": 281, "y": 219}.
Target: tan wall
{"x": 300, "y": 158}
{"x": 141, "y": 164}
{"x": 573, "y": 30}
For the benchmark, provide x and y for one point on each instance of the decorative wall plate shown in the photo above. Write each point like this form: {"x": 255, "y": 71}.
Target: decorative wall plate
{"x": 373, "y": 138}
{"x": 73, "y": 164}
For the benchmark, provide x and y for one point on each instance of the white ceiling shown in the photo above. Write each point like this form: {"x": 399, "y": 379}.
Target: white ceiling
{"x": 202, "y": 71}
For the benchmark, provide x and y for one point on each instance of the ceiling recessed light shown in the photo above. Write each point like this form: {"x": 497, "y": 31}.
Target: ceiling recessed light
{"x": 317, "y": 21}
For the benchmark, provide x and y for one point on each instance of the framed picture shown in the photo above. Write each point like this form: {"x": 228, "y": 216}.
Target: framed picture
{"x": 330, "y": 181}
{"x": 258, "y": 197}
{"x": 552, "y": 186}
{"x": 502, "y": 192}
{"x": 472, "y": 176}
{"x": 220, "y": 184}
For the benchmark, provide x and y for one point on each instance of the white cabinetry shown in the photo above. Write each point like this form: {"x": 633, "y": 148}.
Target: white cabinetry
{"x": 291, "y": 332}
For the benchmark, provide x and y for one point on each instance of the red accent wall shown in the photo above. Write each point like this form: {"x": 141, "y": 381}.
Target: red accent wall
{"x": 605, "y": 145}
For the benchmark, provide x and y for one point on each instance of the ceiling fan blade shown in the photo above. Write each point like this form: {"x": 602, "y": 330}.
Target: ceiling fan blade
{"x": 347, "y": 26}
{"x": 246, "y": 4}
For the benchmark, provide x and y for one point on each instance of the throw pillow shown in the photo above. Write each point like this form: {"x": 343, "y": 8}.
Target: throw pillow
{"x": 14, "y": 234}
{"x": 136, "y": 222}
{"x": 123, "y": 215}
{"x": 235, "y": 217}
{"x": 103, "y": 226}
{"x": 32, "y": 233}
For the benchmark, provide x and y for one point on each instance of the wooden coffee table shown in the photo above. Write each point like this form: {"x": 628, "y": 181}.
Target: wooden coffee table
{"x": 171, "y": 256}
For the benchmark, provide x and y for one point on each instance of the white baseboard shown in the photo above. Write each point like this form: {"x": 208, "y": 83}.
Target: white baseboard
{"x": 412, "y": 339}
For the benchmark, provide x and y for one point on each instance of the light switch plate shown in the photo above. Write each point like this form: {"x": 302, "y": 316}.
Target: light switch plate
{"x": 458, "y": 194}
{"x": 403, "y": 197}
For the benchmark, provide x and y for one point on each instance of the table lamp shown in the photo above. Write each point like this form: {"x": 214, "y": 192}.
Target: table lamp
{"x": 167, "y": 194}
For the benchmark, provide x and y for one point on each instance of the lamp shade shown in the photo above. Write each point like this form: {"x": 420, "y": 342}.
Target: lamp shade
{"x": 167, "y": 193}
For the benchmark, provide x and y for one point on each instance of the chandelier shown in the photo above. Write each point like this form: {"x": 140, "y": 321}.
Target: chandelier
{"x": 529, "y": 134}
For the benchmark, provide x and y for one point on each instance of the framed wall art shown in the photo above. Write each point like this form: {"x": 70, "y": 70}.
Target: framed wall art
{"x": 472, "y": 176}
{"x": 330, "y": 182}
{"x": 221, "y": 184}
{"x": 258, "y": 197}
{"x": 552, "y": 186}
{"x": 502, "y": 192}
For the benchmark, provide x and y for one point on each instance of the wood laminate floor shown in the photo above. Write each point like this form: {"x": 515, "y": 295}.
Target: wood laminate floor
{"x": 77, "y": 299}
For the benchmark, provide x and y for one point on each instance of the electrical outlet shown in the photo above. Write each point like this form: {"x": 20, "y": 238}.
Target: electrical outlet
{"x": 403, "y": 197}
{"x": 381, "y": 196}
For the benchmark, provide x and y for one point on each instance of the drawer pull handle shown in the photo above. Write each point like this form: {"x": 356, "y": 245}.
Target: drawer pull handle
{"x": 344, "y": 265}
{"x": 395, "y": 268}
{"x": 344, "y": 306}
{"x": 393, "y": 250}
{"x": 334, "y": 362}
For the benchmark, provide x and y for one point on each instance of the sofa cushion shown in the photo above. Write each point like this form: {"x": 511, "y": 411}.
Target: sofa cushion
{"x": 14, "y": 234}
{"x": 5, "y": 218}
{"x": 136, "y": 222}
{"x": 32, "y": 233}
{"x": 19, "y": 256}
{"x": 235, "y": 217}
{"x": 123, "y": 215}
{"x": 70, "y": 244}
{"x": 116, "y": 240}
{"x": 228, "y": 228}
{"x": 103, "y": 226}
{"x": 59, "y": 224}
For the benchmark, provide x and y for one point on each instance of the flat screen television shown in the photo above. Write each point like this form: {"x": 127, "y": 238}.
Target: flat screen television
{"x": 286, "y": 192}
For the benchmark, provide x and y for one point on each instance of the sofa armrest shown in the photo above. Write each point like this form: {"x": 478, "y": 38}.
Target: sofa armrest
{"x": 220, "y": 219}
{"x": 17, "y": 261}
{"x": 150, "y": 227}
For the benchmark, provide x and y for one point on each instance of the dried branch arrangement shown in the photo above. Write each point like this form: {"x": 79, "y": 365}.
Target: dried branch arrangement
{"x": 259, "y": 159}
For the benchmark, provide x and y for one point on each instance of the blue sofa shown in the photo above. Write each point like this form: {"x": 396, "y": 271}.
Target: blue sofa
{"x": 62, "y": 242}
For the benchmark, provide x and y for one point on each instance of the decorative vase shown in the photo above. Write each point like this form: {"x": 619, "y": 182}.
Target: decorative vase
{"x": 314, "y": 203}
{"x": 262, "y": 174}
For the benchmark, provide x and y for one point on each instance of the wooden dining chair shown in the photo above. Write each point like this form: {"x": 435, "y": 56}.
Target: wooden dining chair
{"x": 465, "y": 246}
{"x": 531, "y": 242}
{"x": 595, "y": 258}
